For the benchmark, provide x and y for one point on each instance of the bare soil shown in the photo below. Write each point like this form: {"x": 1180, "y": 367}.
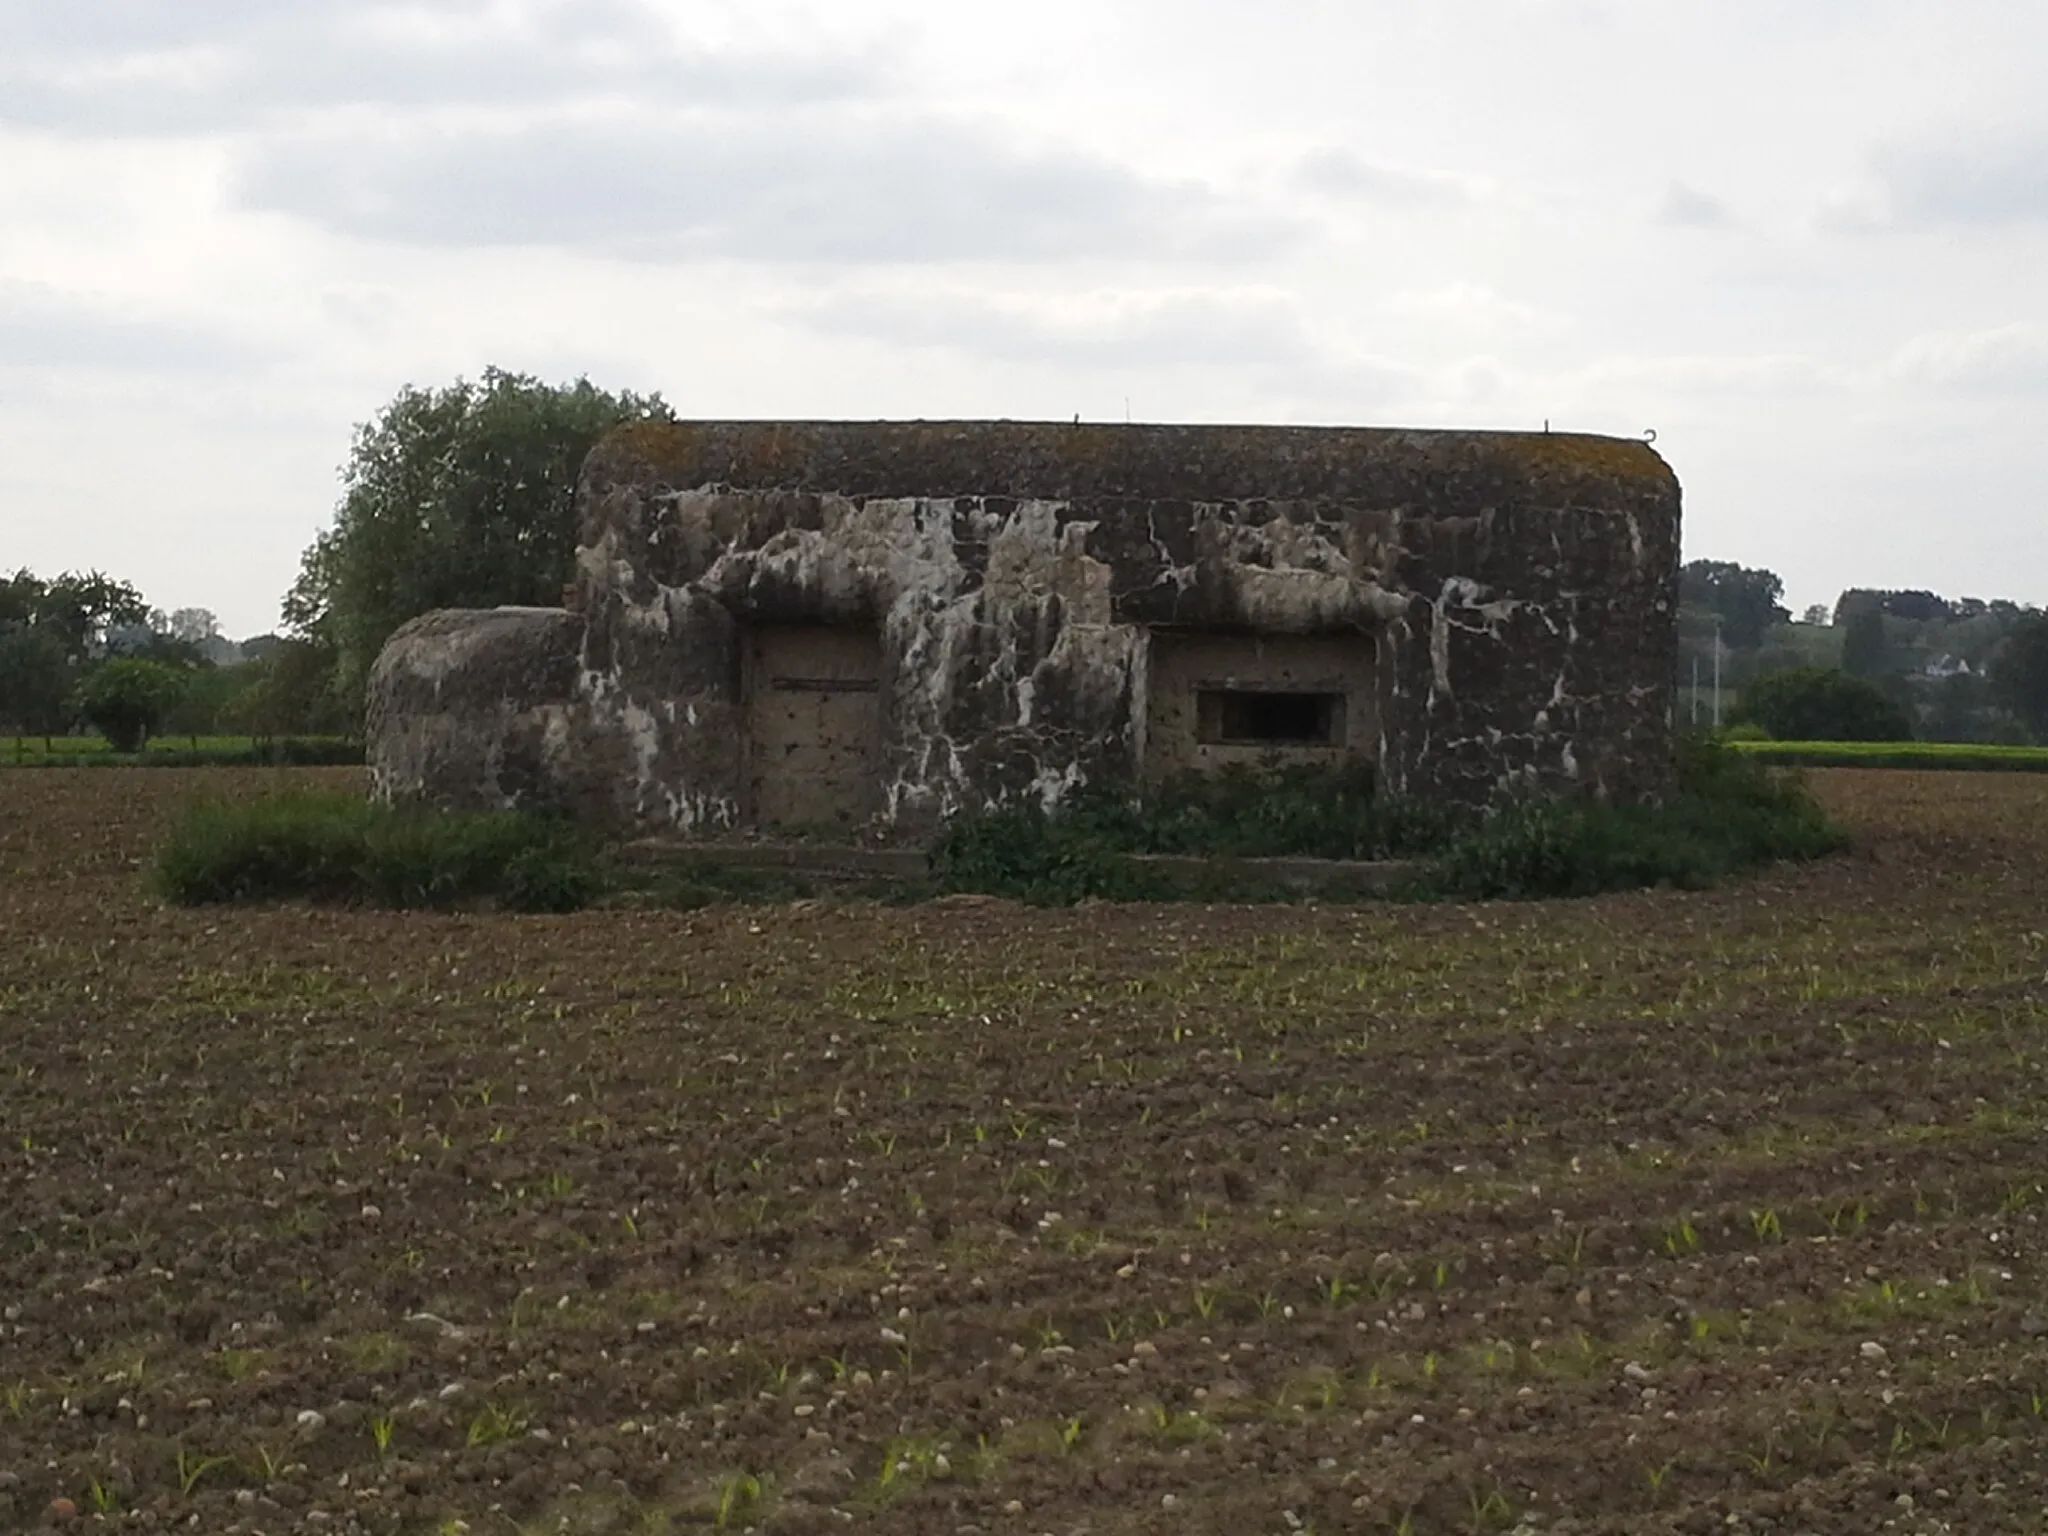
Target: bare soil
{"x": 1658, "y": 1213}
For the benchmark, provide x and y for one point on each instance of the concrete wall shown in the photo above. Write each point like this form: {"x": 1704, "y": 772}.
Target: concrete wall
{"x": 1042, "y": 605}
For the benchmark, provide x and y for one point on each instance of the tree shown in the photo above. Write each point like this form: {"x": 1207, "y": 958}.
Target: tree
{"x": 2019, "y": 672}
{"x": 21, "y": 599}
{"x": 288, "y": 692}
{"x": 1821, "y": 704}
{"x": 195, "y": 626}
{"x": 153, "y": 640}
{"x": 453, "y": 498}
{"x": 1816, "y": 614}
{"x": 1748, "y": 601}
{"x": 127, "y": 699}
{"x": 1864, "y": 651}
{"x": 1958, "y": 708}
{"x": 35, "y": 680}
{"x": 81, "y": 607}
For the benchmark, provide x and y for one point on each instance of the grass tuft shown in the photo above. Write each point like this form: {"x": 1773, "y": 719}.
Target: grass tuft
{"x": 340, "y": 848}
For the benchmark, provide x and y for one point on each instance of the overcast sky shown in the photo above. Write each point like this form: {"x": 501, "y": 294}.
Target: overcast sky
{"x": 1805, "y": 242}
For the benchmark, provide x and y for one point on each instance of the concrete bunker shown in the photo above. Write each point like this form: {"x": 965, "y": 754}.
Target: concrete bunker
{"x": 869, "y": 626}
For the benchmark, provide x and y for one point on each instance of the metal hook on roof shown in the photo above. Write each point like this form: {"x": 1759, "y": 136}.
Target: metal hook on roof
{"x": 1649, "y": 434}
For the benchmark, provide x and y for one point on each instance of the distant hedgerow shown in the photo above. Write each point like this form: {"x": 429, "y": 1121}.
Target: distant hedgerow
{"x": 342, "y": 848}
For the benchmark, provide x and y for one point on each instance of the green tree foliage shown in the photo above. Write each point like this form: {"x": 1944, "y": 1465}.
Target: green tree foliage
{"x": 460, "y": 497}
{"x": 1962, "y": 709}
{"x": 207, "y": 693}
{"x": 35, "y": 680}
{"x": 127, "y": 699}
{"x": 1747, "y": 601}
{"x": 21, "y": 599}
{"x": 2019, "y": 672}
{"x": 80, "y": 607}
{"x": 48, "y": 629}
{"x": 1821, "y": 704}
{"x": 287, "y": 691}
{"x": 1915, "y": 606}
{"x": 1865, "y": 652}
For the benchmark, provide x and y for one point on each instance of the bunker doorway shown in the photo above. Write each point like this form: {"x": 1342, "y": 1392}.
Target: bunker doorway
{"x": 814, "y": 724}
{"x": 1220, "y": 698}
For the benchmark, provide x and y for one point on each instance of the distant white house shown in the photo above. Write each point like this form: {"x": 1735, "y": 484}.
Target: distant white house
{"x": 1945, "y": 666}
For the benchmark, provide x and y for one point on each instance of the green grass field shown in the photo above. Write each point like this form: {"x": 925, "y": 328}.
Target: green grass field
{"x": 1897, "y": 754}
{"x": 174, "y": 751}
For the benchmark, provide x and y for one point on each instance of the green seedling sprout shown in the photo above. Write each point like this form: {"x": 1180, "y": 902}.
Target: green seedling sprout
{"x": 192, "y": 1468}
{"x": 737, "y": 1497}
{"x": 494, "y": 1424}
{"x": 1681, "y": 1239}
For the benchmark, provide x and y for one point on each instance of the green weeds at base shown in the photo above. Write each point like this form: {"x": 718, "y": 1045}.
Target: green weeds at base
{"x": 1082, "y": 849}
{"x": 1728, "y": 815}
{"x": 182, "y": 752}
{"x": 341, "y": 848}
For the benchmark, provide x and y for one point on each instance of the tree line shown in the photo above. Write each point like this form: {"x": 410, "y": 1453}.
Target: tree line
{"x": 84, "y": 649}
{"x": 1880, "y": 665}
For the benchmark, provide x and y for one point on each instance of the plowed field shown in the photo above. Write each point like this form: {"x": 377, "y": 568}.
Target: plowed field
{"x": 1666, "y": 1212}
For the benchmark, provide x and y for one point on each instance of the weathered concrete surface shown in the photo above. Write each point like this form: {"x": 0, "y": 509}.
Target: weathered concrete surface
{"x": 475, "y": 710}
{"x": 1467, "y": 612}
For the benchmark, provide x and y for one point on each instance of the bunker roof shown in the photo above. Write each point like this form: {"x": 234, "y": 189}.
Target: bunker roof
{"x": 1087, "y": 461}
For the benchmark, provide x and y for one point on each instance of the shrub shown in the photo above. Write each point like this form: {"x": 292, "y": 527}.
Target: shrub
{"x": 1298, "y": 810}
{"x": 1729, "y": 814}
{"x": 1084, "y": 848}
{"x": 340, "y": 848}
{"x": 126, "y": 700}
{"x": 1821, "y": 704}
{"x": 1023, "y": 852}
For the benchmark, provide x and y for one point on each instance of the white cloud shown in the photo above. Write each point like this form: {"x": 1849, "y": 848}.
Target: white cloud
{"x": 2005, "y": 358}
{"x": 1472, "y": 309}
{"x": 820, "y": 187}
{"x": 1770, "y": 374}
{"x": 158, "y": 68}
{"x": 46, "y": 328}
{"x": 1987, "y": 179}
{"x": 1343, "y": 173}
{"x": 1685, "y": 207}
{"x": 1228, "y": 328}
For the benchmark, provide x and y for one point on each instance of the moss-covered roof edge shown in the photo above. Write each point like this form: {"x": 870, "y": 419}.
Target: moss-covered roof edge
{"x": 1060, "y": 460}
